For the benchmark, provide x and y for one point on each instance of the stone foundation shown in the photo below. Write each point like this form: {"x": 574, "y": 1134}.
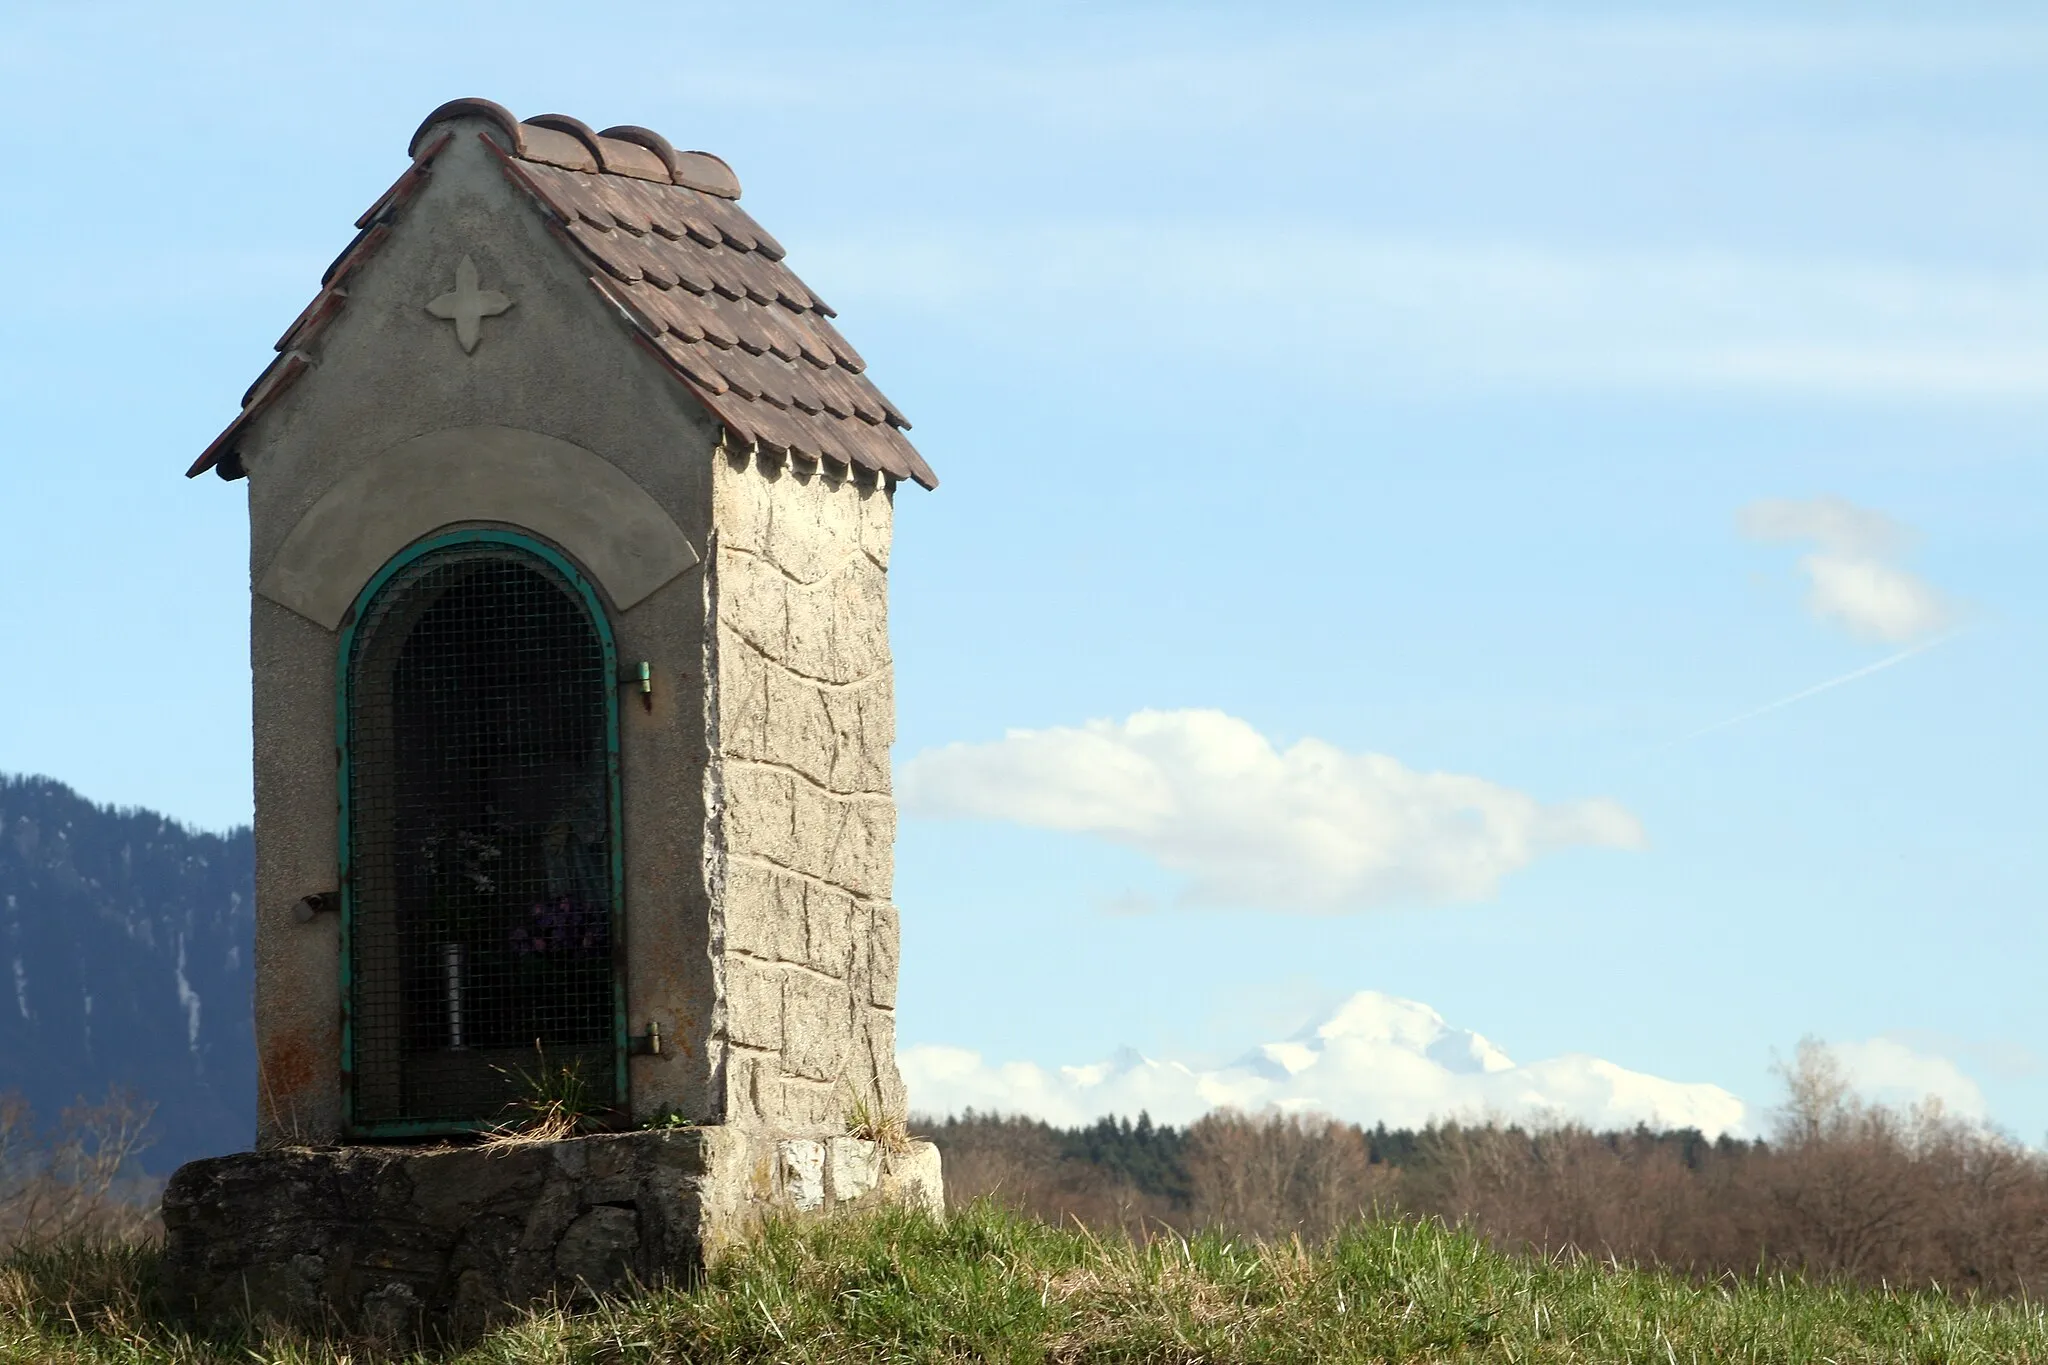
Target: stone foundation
{"x": 412, "y": 1244}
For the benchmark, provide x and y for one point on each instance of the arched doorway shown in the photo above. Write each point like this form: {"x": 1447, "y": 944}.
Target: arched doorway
{"x": 479, "y": 797}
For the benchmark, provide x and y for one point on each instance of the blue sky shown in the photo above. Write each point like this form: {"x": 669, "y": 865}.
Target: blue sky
{"x": 1396, "y": 384}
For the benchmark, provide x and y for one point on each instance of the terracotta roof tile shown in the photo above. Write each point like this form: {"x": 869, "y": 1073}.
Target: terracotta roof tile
{"x": 309, "y": 324}
{"x": 471, "y": 107}
{"x": 664, "y": 151}
{"x": 555, "y": 148}
{"x": 707, "y": 173}
{"x": 699, "y": 171}
{"x": 691, "y": 361}
{"x": 574, "y": 127}
{"x": 405, "y": 187}
{"x": 700, "y": 283}
{"x": 626, "y": 159}
{"x": 625, "y": 201}
{"x": 763, "y": 243}
{"x": 355, "y": 253}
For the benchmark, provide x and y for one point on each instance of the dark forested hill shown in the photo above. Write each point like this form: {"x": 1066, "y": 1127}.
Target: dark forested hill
{"x": 124, "y": 959}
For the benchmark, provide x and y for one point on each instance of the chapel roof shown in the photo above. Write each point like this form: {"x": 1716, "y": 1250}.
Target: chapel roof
{"x": 693, "y": 277}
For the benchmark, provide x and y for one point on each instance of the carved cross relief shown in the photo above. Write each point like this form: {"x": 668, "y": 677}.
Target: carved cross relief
{"x": 467, "y": 306}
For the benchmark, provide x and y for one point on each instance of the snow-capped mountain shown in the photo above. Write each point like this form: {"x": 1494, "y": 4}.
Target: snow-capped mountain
{"x": 1376, "y": 1058}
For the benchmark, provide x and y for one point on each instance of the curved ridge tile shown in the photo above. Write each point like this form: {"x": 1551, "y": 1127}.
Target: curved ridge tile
{"x": 471, "y": 107}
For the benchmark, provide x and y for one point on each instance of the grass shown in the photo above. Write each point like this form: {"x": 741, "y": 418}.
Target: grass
{"x": 990, "y": 1286}
{"x": 552, "y": 1104}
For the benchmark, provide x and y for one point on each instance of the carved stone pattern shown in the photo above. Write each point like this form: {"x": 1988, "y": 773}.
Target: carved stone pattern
{"x": 467, "y": 306}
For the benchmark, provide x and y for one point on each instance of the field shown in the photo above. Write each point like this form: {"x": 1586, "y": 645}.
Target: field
{"x": 990, "y": 1284}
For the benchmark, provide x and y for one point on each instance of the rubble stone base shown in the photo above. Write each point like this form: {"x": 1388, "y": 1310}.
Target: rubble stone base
{"x": 415, "y": 1244}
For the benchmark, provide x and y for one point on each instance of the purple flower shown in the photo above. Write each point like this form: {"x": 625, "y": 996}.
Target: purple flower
{"x": 562, "y": 927}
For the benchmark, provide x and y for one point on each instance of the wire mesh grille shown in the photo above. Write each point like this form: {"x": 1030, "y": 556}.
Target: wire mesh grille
{"x": 480, "y": 835}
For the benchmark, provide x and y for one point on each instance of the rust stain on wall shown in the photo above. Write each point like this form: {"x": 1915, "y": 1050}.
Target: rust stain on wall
{"x": 287, "y": 1069}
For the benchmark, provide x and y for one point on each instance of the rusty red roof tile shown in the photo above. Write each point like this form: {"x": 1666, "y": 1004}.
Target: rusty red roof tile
{"x": 275, "y": 379}
{"x": 699, "y": 282}
{"x": 695, "y": 271}
{"x": 406, "y": 186}
{"x": 629, "y": 159}
{"x": 309, "y": 324}
{"x": 355, "y": 253}
{"x": 556, "y": 148}
{"x": 563, "y": 123}
{"x": 466, "y": 108}
{"x": 663, "y": 150}
{"x": 707, "y": 173}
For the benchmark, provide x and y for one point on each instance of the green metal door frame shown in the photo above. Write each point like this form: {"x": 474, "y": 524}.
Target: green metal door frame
{"x": 517, "y": 544}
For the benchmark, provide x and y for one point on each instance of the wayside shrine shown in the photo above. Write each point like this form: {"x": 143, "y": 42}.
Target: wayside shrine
{"x": 570, "y": 516}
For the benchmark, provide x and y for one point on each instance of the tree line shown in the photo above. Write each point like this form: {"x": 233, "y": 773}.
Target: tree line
{"x": 1839, "y": 1187}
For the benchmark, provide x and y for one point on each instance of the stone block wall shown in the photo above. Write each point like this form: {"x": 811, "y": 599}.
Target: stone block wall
{"x": 804, "y": 820}
{"x": 410, "y": 1245}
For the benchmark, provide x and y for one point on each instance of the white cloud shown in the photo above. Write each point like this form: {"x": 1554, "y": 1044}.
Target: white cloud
{"x": 1851, "y": 578}
{"x": 1997, "y": 1057}
{"x": 1838, "y": 525}
{"x": 1310, "y": 827}
{"x": 1891, "y": 1072}
{"x": 1376, "y": 1058}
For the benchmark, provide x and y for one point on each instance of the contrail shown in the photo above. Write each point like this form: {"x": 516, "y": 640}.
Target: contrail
{"x": 1814, "y": 690}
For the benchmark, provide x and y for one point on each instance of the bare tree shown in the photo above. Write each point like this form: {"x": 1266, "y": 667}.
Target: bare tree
{"x": 1278, "y": 1174}
{"x": 1020, "y": 1162}
{"x": 76, "y": 1178}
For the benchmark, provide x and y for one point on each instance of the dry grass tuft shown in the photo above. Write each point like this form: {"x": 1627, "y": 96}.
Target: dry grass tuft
{"x": 554, "y": 1102}
{"x": 871, "y": 1122}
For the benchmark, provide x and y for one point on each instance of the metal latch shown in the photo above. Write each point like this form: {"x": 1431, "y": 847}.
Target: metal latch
{"x": 319, "y": 903}
{"x": 642, "y": 678}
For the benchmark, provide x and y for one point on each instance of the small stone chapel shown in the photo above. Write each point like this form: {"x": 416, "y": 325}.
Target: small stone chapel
{"x": 570, "y": 515}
